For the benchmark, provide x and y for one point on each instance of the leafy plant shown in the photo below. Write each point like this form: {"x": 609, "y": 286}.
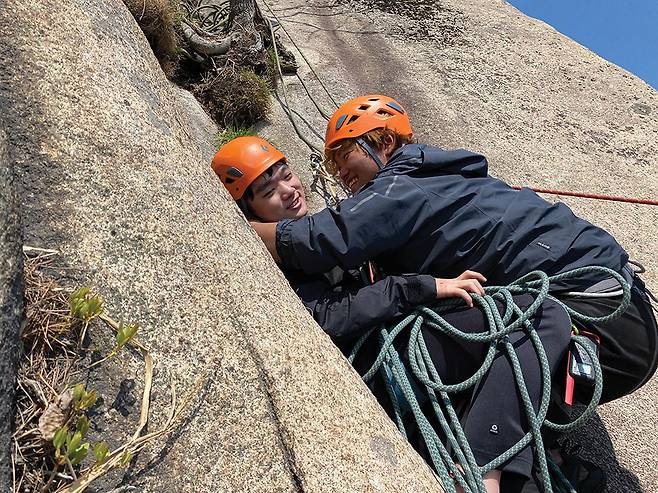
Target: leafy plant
{"x": 83, "y": 425}
{"x": 82, "y": 399}
{"x": 84, "y": 306}
{"x": 124, "y": 334}
{"x": 59, "y": 439}
{"x": 76, "y": 449}
{"x": 101, "y": 451}
{"x": 71, "y": 448}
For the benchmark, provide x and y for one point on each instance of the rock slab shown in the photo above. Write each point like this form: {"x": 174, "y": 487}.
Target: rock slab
{"x": 11, "y": 307}
{"x": 113, "y": 170}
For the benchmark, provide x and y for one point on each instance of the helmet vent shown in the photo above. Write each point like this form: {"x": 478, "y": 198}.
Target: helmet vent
{"x": 228, "y": 180}
{"x": 340, "y": 121}
{"x": 363, "y": 107}
{"x": 384, "y": 113}
{"x": 352, "y": 119}
{"x": 234, "y": 172}
{"x": 395, "y": 106}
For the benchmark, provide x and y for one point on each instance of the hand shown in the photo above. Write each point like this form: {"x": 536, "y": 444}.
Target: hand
{"x": 459, "y": 287}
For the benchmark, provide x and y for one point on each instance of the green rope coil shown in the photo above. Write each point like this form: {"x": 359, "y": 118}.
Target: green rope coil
{"x": 405, "y": 393}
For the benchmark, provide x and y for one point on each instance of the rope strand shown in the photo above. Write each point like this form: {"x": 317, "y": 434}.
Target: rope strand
{"x": 407, "y": 398}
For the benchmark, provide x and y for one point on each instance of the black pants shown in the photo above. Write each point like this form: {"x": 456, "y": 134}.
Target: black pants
{"x": 628, "y": 351}
{"x": 628, "y": 357}
{"x": 495, "y": 419}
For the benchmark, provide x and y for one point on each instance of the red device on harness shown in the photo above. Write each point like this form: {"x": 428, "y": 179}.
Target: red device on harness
{"x": 579, "y": 365}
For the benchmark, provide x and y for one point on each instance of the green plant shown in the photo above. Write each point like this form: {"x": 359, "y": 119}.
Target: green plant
{"x": 101, "y": 451}
{"x": 82, "y": 399}
{"x": 232, "y": 132}
{"x": 234, "y": 98}
{"x": 70, "y": 445}
{"x": 85, "y": 306}
{"x": 124, "y": 334}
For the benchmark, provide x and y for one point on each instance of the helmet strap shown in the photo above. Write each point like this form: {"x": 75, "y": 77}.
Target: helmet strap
{"x": 371, "y": 152}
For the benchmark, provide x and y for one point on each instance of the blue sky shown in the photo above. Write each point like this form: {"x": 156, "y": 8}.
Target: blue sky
{"x": 624, "y": 32}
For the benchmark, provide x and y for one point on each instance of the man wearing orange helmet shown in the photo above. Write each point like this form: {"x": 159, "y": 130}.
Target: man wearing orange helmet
{"x": 418, "y": 208}
{"x": 258, "y": 178}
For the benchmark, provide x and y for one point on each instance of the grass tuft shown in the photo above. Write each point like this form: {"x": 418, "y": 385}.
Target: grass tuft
{"x": 234, "y": 98}
{"x": 232, "y": 132}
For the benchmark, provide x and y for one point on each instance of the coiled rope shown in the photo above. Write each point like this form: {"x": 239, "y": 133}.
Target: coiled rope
{"x": 405, "y": 394}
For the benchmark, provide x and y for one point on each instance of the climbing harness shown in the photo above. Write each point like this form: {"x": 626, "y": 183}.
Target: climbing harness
{"x": 407, "y": 397}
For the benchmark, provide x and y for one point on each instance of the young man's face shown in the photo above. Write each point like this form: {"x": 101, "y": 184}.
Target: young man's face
{"x": 355, "y": 167}
{"x": 278, "y": 196}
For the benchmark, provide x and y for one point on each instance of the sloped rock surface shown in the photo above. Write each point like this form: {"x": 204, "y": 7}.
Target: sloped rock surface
{"x": 11, "y": 306}
{"x": 546, "y": 111}
{"x": 112, "y": 165}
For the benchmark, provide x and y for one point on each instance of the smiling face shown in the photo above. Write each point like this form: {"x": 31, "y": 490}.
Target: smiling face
{"x": 355, "y": 167}
{"x": 277, "y": 194}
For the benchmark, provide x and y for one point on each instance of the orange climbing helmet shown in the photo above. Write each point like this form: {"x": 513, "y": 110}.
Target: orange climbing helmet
{"x": 242, "y": 160}
{"x": 365, "y": 113}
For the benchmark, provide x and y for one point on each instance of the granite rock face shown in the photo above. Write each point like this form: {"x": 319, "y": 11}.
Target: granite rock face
{"x": 11, "y": 306}
{"x": 112, "y": 170}
{"x": 546, "y": 112}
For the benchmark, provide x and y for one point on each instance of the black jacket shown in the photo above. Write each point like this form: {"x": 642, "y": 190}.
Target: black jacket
{"x": 438, "y": 212}
{"x": 345, "y": 308}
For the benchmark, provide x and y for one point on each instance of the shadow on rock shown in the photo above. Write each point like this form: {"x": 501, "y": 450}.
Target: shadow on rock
{"x": 595, "y": 446}
{"x": 138, "y": 474}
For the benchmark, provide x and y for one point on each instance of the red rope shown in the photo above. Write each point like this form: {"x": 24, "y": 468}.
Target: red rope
{"x": 593, "y": 196}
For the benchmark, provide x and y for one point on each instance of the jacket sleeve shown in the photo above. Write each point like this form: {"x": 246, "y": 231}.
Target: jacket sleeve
{"x": 347, "y": 310}
{"x": 378, "y": 219}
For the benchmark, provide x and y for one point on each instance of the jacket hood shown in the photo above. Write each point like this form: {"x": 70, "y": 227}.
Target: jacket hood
{"x": 421, "y": 159}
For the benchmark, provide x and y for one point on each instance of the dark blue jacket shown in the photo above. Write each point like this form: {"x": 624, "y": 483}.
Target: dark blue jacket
{"x": 438, "y": 212}
{"x": 345, "y": 308}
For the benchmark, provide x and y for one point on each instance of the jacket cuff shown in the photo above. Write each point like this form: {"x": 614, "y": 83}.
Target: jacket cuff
{"x": 421, "y": 289}
{"x": 284, "y": 246}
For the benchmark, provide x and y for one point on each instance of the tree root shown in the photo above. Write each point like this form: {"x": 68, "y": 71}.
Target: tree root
{"x": 205, "y": 46}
